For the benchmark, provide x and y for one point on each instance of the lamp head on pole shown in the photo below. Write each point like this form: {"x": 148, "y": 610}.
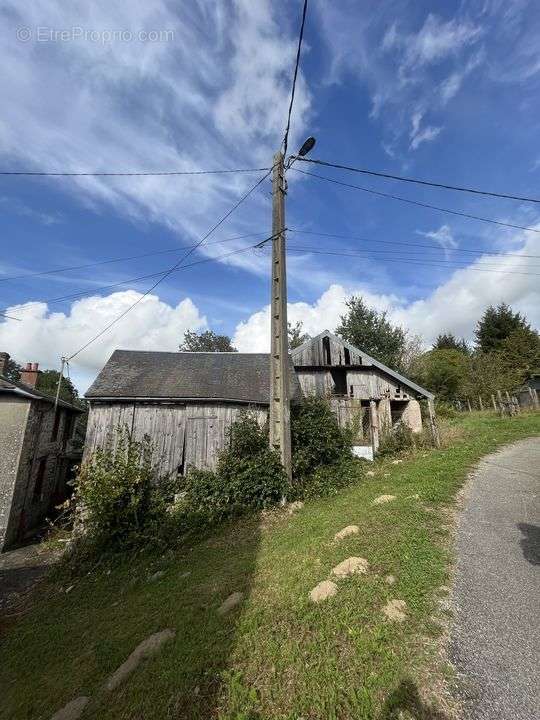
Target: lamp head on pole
{"x": 306, "y": 147}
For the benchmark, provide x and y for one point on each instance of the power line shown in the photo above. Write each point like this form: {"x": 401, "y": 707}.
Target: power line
{"x": 173, "y": 268}
{"x": 293, "y": 89}
{"x": 416, "y": 202}
{"x": 81, "y": 293}
{"x": 433, "y": 246}
{"x": 135, "y": 174}
{"x": 435, "y": 263}
{"x": 121, "y": 259}
{"x": 416, "y": 181}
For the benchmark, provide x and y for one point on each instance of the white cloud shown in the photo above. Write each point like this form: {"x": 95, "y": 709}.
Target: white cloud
{"x": 43, "y": 336}
{"x": 427, "y": 134}
{"x": 454, "y": 306}
{"x": 438, "y": 39}
{"x": 213, "y": 96}
{"x": 443, "y": 236}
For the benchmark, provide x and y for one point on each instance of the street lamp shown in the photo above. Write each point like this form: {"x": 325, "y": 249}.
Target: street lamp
{"x": 306, "y": 147}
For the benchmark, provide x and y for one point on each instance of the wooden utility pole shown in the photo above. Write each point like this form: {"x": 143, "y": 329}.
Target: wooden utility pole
{"x": 374, "y": 425}
{"x": 280, "y": 422}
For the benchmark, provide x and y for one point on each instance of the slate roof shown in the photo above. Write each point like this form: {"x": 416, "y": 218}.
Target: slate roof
{"x": 240, "y": 377}
{"x": 21, "y": 389}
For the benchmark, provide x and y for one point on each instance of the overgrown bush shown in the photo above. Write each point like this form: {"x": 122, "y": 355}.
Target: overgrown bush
{"x": 117, "y": 492}
{"x": 399, "y": 440}
{"x": 248, "y": 476}
{"x": 329, "y": 479}
{"x": 317, "y": 438}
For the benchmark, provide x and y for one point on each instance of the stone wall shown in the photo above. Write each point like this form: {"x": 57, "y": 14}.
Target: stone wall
{"x": 13, "y": 417}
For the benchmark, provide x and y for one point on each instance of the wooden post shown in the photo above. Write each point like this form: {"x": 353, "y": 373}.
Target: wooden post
{"x": 500, "y": 402}
{"x": 480, "y": 403}
{"x": 433, "y": 423}
{"x": 374, "y": 424}
{"x": 280, "y": 423}
{"x": 494, "y": 402}
{"x": 534, "y": 398}
{"x": 469, "y": 405}
{"x": 515, "y": 403}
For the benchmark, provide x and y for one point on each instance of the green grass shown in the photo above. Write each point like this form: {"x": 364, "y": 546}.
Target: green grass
{"x": 277, "y": 655}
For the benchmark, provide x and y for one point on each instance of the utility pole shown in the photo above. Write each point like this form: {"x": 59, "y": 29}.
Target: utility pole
{"x": 280, "y": 422}
{"x": 63, "y": 360}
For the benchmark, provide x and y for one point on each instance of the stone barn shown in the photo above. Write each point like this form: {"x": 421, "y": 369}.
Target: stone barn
{"x": 186, "y": 401}
{"x": 36, "y": 453}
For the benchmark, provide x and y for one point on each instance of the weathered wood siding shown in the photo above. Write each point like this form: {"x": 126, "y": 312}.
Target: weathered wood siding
{"x": 182, "y": 434}
{"x": 326, "y": 351}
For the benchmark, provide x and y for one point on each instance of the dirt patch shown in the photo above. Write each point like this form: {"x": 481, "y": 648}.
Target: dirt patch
{"x": 322, "y": 591}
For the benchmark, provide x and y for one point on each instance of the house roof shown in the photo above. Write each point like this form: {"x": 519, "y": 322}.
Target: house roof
{"x": 367, "y": 361}
{"x": 23, "y": 390}
{"x": 238, "y": 377}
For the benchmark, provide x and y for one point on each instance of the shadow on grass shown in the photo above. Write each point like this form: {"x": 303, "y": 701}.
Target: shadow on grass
{"x": 405, "y": 702}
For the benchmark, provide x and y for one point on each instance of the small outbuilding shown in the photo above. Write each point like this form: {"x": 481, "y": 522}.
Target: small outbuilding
{"x": 35, "y": 453}
{"x": 186, "y": 401}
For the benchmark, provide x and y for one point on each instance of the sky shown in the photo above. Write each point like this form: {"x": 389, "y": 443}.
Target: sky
{"x": 447, "y": 92}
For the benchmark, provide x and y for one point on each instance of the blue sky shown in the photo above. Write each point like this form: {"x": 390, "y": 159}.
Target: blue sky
{"x": 445, "y": 91}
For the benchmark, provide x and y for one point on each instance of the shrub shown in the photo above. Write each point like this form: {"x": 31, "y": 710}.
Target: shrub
{"x": 249, "y": 475}
{"x": 399, "y": 440}
{"x": 329, "y": 479}
{"x": 117, "y": 493}
{"x": 317, "y": 438}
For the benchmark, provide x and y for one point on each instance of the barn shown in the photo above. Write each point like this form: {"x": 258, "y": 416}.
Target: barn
{"x": 186, "y": 401}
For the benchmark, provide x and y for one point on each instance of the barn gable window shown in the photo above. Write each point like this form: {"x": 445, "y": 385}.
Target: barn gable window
{"x": 326, "y": 350}
{"x": 347, "y": 356}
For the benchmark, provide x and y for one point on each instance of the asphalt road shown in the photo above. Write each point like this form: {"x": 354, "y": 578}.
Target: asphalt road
{"x": 495, "y": 643}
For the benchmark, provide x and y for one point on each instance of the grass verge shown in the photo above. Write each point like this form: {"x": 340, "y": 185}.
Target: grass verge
{"x": 276, "y": 655}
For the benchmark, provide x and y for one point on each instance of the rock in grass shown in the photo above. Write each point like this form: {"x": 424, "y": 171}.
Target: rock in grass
{"x": 148, "y": 647}
{"x": 349, "y": 530}
{"x": 395, "y": 610}
{"x": 389, "y": 579}
{"x": 396, "y": 462}
{"x": 156, "y": 576}
{"x": 294, "y": 507}
{"x": 73, "y": 710}
{"x": 323, "y": 591}
{"x": 370, "y": 473}
{"x": 383, "y": 499}
{"x": 231, "y": 602}
{"x": 351, "y": 566}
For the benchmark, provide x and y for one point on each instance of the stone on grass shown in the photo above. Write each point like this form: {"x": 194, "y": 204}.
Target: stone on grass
{"x": 351, "y": 566}
{"x": 370, "y": 473}
{"x": 396, "y": 462}
{"x": 383, "y": 499}
{"x": 389, "y": 579}
{"x": 145, "y": 649}
{"x": 73, "y": 710}
{"x": 349, "y": 530}
{"x": 395, "y": 610}
{"x": 322, "y": 591}
{"x": 294, "y": 507}
{"x": 156, "y": 576}
{"x": 232, "y": 601}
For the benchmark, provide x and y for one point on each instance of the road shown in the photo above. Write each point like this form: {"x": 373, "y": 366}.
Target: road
{"x": 495, "y": 644}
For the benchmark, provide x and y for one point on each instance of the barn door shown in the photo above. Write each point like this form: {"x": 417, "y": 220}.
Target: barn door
{"x": 202, "y": 442}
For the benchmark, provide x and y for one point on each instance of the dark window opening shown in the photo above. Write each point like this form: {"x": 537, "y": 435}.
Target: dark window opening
{"x": 40, "y": 475}
{"x": 351, "y": 393}
{"x": 182, "y": 467}
{"x": 56, "y": 424}
{"x": 398, "y": 390}
{"x": 340, "y": 363}
{"x": 347, "y": 356}
{"x": 340, "y": 382}
{"x": 326, "y": 351}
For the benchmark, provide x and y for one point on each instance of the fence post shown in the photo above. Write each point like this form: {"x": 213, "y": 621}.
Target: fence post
{"x": 374, "y": 423}
{"x": 433, "y": 423}
{"x": 534, "y": 398}
{"x": 480, "y": 404}
{"x": 500, "y": 402}
{"x": 469, "y": 405}
{"x": 494, "y": 402}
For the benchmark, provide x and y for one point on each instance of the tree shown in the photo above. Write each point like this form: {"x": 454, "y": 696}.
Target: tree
{"x": 206, "y": 341}
{"x": 13, "y": 370}
{"x": 48, "y": 384}
{"x": 496, "y": 324}
{"x": 297, "y": 336}
{"x": 520, "y": 353}
{"x": 448, "y": 341}
{"x": 445, "y": 372}
{"x": 371, "y": 331}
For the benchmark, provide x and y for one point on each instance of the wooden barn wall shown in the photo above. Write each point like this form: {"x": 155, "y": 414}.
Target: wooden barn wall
{"x": 182, "y": 434}
{"x": 315, "y": 354}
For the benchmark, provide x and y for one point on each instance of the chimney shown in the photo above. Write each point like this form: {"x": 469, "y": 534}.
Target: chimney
{"x": 4, "y": 359}
{"x": 29, "y": 376}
